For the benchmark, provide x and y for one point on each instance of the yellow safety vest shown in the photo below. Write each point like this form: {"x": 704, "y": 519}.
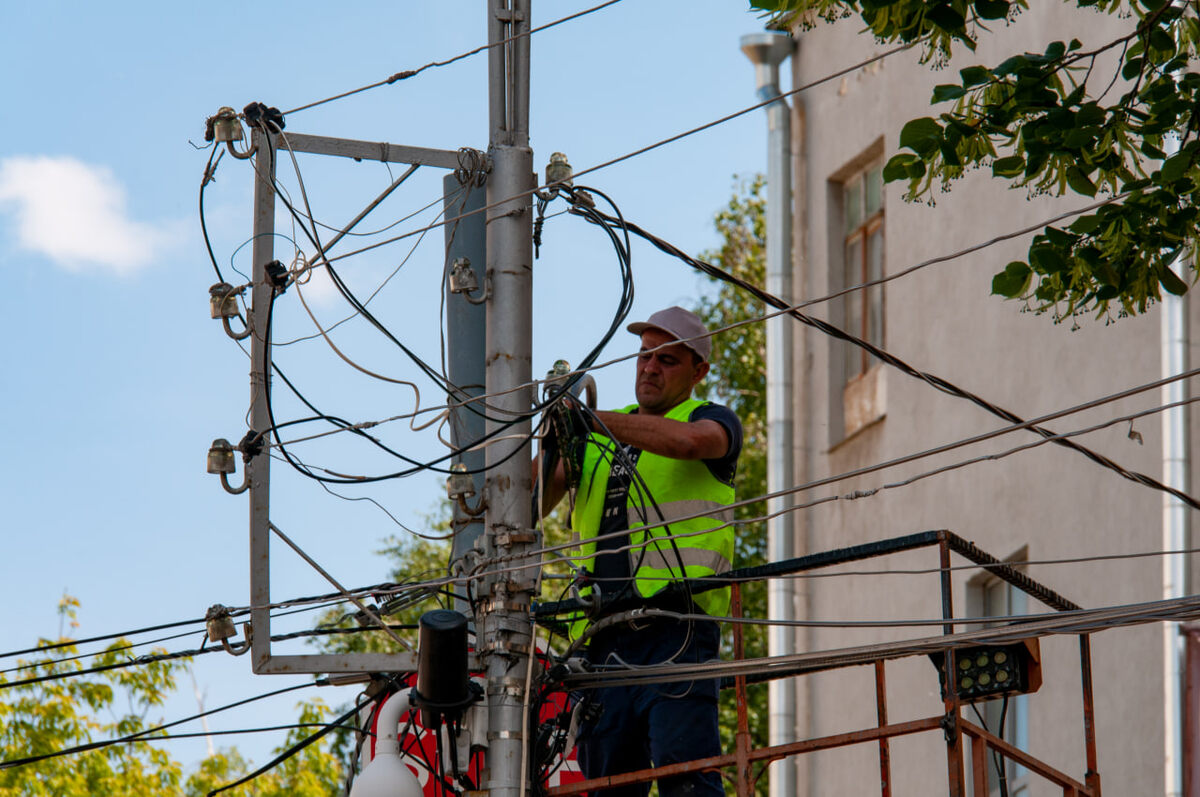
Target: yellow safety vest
{"x": 702, "y": 545}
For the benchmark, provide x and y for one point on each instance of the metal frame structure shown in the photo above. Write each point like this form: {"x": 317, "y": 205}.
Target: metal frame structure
{"x": 951, "y": 723}
{"x": 258, "y": 468}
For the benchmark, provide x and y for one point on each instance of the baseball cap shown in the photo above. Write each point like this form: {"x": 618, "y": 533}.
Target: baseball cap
{"x": 681, "y": 324}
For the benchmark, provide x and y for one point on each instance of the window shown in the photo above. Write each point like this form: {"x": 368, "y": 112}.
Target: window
{"x": 859, "y": 231}
{"x": 862, "y": 261}
{"x": 997, "y": 598}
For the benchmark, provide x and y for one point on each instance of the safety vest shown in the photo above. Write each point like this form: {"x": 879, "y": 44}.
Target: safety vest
{"x": 679, "y": 489}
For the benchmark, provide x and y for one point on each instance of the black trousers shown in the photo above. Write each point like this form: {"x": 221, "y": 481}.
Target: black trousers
{"x": 659, "y": 724}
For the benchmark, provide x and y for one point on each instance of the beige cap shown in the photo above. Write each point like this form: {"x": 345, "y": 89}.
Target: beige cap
{"x": 680, "y": 324}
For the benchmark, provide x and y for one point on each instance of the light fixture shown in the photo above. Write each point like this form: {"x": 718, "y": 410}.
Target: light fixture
{"x": 984, "y": 672}
{"x": 386, "y": 775}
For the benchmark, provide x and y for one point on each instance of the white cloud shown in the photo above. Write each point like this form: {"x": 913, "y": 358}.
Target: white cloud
{"x": 75, "y": 215}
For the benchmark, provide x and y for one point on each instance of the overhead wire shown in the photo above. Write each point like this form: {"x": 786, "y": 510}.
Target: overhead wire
{"x": 410, "y": 73}
{"x": 927, "y": 453}
{"x": 885, "y": 356}
{"x": 1084, "y": 621}
{"x": 139, "y": 735}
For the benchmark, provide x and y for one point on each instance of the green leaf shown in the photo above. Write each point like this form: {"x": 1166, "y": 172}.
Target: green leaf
{"x": 1012, "y": 281}
{"x": 897, "y": 167}
{"x": 975, "y": 75}
{"x": 921, "y": 135}
{"x": 1084, "y": 225}
{"x": 1046, "y": 259}
{"x": 991, "y": 9}
{"x": 947, "y": 91}
{"x": 1055, "y": 50}
{"x": 1079, "y": 182}
{"x": 946, "y": 18}
{"x": 1011, "y": 166}
{"x": 1171, "y": 282}
{"x": 1175, "y": 167}
{"x": 1161, "y": 40}
{"x": 1132, "y": 68}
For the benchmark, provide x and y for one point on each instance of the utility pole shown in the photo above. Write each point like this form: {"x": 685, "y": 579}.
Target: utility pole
{"x": 503, "y": 622}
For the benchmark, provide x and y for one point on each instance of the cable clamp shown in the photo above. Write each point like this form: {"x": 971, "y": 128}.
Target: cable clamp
{"x": 251, "y": 445}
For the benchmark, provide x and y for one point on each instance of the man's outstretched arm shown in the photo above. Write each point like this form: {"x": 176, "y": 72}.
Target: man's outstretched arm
{"x": 702, "y": 439}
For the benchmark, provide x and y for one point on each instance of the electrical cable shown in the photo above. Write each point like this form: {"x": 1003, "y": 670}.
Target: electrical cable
{"x": 210, "y": 170}
{"x": 1084, "y": 621}
{"x": 83, "y": 748}
{"x": 934, "y": 381}
{"x": 408, "y": 73}
{"x": 870, "y": 492}
{"x": 641, "y": 151}
{"x": 288, "y": 753}
{"x": 154, "y": 658}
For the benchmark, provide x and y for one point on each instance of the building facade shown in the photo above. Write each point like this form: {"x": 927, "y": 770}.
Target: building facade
{"x": 1046, "y": 503}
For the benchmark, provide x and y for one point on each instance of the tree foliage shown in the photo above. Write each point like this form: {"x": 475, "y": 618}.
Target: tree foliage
{"x": 738, "y": 380}
{"x": 1117, "y": 120}
{"x": 51, "y": 716}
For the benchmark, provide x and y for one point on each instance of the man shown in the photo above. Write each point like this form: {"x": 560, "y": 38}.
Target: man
{"x": 668, "y": 462}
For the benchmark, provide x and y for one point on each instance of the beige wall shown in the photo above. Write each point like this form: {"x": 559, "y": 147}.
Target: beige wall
{"x": 1048, "y": 501}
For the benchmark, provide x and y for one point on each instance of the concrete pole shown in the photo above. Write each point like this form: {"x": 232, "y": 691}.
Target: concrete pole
{"x": 502, "y": 617}
{"x": 767, "y": 51}
{"x": 258, "y": 469}
{"x": 465, "y": 343}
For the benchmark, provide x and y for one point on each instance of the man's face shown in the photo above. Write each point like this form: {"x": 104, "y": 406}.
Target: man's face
{"x": 665, "y": 377}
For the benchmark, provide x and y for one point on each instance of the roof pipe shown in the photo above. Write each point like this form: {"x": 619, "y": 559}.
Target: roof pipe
{"x": 1175, "y": 530}
{"x": 767, "y": 51}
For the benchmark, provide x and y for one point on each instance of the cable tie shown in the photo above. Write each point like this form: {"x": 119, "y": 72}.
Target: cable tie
{"x": 860, "y": 494}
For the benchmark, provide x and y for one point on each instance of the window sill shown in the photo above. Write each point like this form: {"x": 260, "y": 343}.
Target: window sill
{"x": 864, "y": 401}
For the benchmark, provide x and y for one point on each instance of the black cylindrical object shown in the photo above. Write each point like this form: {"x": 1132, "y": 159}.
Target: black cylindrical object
{"x": 442, "y": 678}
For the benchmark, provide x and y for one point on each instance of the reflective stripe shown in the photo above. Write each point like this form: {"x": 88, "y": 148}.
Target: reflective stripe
{"x": 673, "y": 510}
{"x": 663, "y": 557}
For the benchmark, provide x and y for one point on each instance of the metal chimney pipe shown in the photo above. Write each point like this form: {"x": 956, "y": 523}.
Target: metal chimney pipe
{"x": 766, "y": 51}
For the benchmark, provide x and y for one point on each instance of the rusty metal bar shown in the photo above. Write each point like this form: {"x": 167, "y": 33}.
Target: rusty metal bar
{"x": 763, "y": 754}
{"x": 979, "y": 767}
{"x": 743, "y": 784}
{"x": 1092, "y": 774}
{"x": 1007, "y": 572}
{"x": 885, "y": 759}
{"x": 1191, "y": 717}
{"x": 1024, "y": 759}
{"x": 954, "y": 750}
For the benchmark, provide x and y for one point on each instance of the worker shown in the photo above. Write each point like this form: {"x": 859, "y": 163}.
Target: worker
{"x": 684, "y": 455}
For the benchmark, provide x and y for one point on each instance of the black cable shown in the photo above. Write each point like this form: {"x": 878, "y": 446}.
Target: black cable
{"x": 83, "y": 748}
{"x": 408, "y": 73}
{"x": 935, "y": 381}
{"x": 142, "y": 661}
{"x": 210, "y": 169}
{"x": 288, "y": 753}
{"x": 103, "y": 637}
{"x": 622, "y": 249}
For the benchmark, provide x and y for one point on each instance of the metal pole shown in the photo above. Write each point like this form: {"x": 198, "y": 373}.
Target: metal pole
{"x": 465, "y": 341}
{"x": 767, "y": 51}
{"x": 950, "y": 727}
{"x": 258, "y": 469}
{"x": 502, "y": 617}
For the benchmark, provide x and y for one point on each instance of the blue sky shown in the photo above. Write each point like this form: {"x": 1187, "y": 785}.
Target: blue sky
{"x": 115, "y": 378}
